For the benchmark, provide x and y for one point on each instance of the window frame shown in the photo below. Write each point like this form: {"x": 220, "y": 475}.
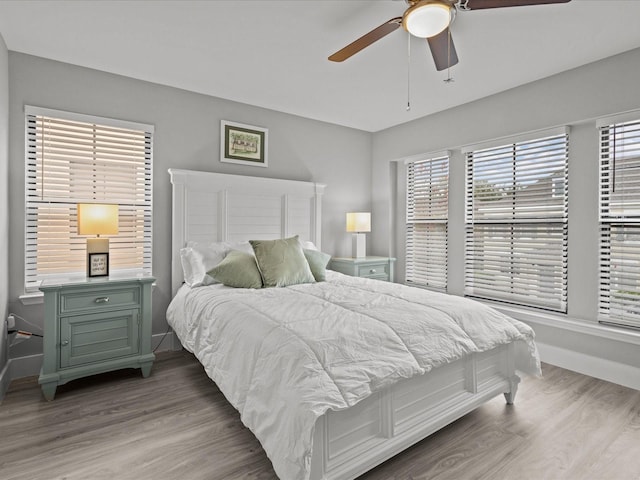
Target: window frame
{"x": 619, "y": 222}
{"x": 523, "y": 230}
{"x": 136, "y": 209}
{"x": 434, "y": 217}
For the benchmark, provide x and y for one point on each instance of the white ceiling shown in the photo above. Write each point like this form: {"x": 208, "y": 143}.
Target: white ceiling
{"x": 273, "y": 54}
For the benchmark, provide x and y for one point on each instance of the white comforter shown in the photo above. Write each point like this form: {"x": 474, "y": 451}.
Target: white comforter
{"x": 284, "y": 356}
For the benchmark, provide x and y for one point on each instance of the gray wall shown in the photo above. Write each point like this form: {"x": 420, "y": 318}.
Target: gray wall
{"x": 187, "y": 129}
{"x": 4, "y": 207}
{"x": 575, "y": 98}
{"x": 358, "y": 167}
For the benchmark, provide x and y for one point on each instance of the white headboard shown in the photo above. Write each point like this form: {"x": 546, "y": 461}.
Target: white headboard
{"x": 216, "y": 207}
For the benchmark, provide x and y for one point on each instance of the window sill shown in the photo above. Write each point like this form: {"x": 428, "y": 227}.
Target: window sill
{"x": 558, "y": 320}
{"x": 564, "y": 322}
{"x": 33, "y": 298}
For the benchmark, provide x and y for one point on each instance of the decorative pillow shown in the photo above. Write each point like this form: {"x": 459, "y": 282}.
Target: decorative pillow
{"x": 317, "y": 263}
{"x": 282, "y": 262}
{"x": 238, "y": 269}
{"x": 198, "y": 258}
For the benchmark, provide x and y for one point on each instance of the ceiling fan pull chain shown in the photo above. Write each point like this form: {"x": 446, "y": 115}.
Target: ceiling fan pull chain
{"x": 408, "y": 72}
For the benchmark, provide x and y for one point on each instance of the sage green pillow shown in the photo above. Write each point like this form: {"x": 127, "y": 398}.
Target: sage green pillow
{"x": 237, "y": 269}
{"x": 317, "y": 261}
{"x": 282, "y": 262}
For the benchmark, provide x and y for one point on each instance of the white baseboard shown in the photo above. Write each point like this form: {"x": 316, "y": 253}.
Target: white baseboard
{"x": 622, "y": 374}
{"x": 5, "y": 380}
{"x": 163, "y": 341}
{"x": 25, "y": 366}
{"x": 615, "y": 372}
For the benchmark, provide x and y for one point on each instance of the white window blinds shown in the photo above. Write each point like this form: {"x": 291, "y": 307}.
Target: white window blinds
{"x": 72, "y": 159}
{"x": 516, "y": 222}
{"x": 619, "y": 299}
{"x": 427, "y": 214}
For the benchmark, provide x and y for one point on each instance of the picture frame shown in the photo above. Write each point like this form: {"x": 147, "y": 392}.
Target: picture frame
{"x": 243, "y": 144}
{"x": 98, "y": 264}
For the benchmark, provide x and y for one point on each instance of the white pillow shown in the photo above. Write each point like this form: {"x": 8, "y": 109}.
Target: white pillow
{"x": 241, "y": 247}
{"x": 198, "y": 258}
{"x": 309, "y": 246}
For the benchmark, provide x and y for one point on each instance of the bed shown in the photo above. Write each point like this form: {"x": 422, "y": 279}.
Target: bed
{"x": 333, "y": 377}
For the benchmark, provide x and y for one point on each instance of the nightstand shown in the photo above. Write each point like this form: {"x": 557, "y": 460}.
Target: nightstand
{"x": 95, "y": 325}
{"x": 379, "y": 268}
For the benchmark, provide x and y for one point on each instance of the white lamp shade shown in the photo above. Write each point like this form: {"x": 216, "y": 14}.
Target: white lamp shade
{"x": 97, "y": 219}
{"x": 427, "y": 18}
{"x": 358, "y": 222}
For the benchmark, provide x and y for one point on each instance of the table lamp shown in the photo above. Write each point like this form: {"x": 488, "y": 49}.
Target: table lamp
{"x": 358, "y": 223}
{"x": 97, "y": 219}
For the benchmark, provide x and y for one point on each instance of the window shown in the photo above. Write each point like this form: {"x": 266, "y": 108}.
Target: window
{"x": 619, "y": 299}
{"x": 427, "y": 213}
{"x": 70, "y": 159}
{"x": 516, "y": 221}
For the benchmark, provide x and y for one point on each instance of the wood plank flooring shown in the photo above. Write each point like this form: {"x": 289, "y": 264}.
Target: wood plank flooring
{"x": 177, "y": 425}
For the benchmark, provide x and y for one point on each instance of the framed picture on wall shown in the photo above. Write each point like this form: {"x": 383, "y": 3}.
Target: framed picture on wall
{"x": 243, "y": 144}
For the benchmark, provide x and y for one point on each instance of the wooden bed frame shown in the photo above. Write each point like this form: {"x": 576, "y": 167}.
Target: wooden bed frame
{"x": 218, "y": 207}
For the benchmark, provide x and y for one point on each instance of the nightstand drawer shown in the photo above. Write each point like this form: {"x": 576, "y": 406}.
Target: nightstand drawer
{"x": 377, "y": 270}
{"x": 82, "y": 301}
{"x": 97, "y": 337}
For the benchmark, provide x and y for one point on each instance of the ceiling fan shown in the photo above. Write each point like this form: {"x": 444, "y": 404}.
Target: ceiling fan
{"x": 431, "y": 19}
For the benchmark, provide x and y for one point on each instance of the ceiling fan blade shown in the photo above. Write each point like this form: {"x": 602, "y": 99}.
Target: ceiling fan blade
{"x": 366, "y": 40}
{"x": 443, "y": 51}
{"x": 481, "y": 4}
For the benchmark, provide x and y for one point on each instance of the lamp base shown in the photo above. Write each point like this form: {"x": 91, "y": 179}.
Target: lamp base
{"x": 97, "y": 257}
{"x": 97, "y": 245}
{"x": 359, "y": 245}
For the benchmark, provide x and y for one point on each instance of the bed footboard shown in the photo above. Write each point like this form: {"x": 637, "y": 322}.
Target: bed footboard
{"x": 350, "y": 442}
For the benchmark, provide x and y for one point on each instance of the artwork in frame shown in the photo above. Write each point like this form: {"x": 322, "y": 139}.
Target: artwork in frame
{"x": 98, "y": 264}
{"x": 243, "y": 144}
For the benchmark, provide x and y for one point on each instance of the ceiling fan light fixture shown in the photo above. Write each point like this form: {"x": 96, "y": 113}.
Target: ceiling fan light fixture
{"x": 427, "y": 18}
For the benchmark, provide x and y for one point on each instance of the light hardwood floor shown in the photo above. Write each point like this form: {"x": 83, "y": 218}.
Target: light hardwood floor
{"x": 177, "y": 425}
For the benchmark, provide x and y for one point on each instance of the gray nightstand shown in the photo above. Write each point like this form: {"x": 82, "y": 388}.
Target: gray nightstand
{"x": 379, "y": 268}
{"x": 93, "y": 326}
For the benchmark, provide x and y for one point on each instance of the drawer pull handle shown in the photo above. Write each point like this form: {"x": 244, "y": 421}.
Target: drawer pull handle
{"x": 65, "y": 343}
{"x": 373, "y": 270}
{"x": 102, "y": 300}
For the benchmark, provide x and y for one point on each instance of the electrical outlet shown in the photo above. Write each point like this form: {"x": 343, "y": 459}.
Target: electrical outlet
{"x": 11, "y": 322}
